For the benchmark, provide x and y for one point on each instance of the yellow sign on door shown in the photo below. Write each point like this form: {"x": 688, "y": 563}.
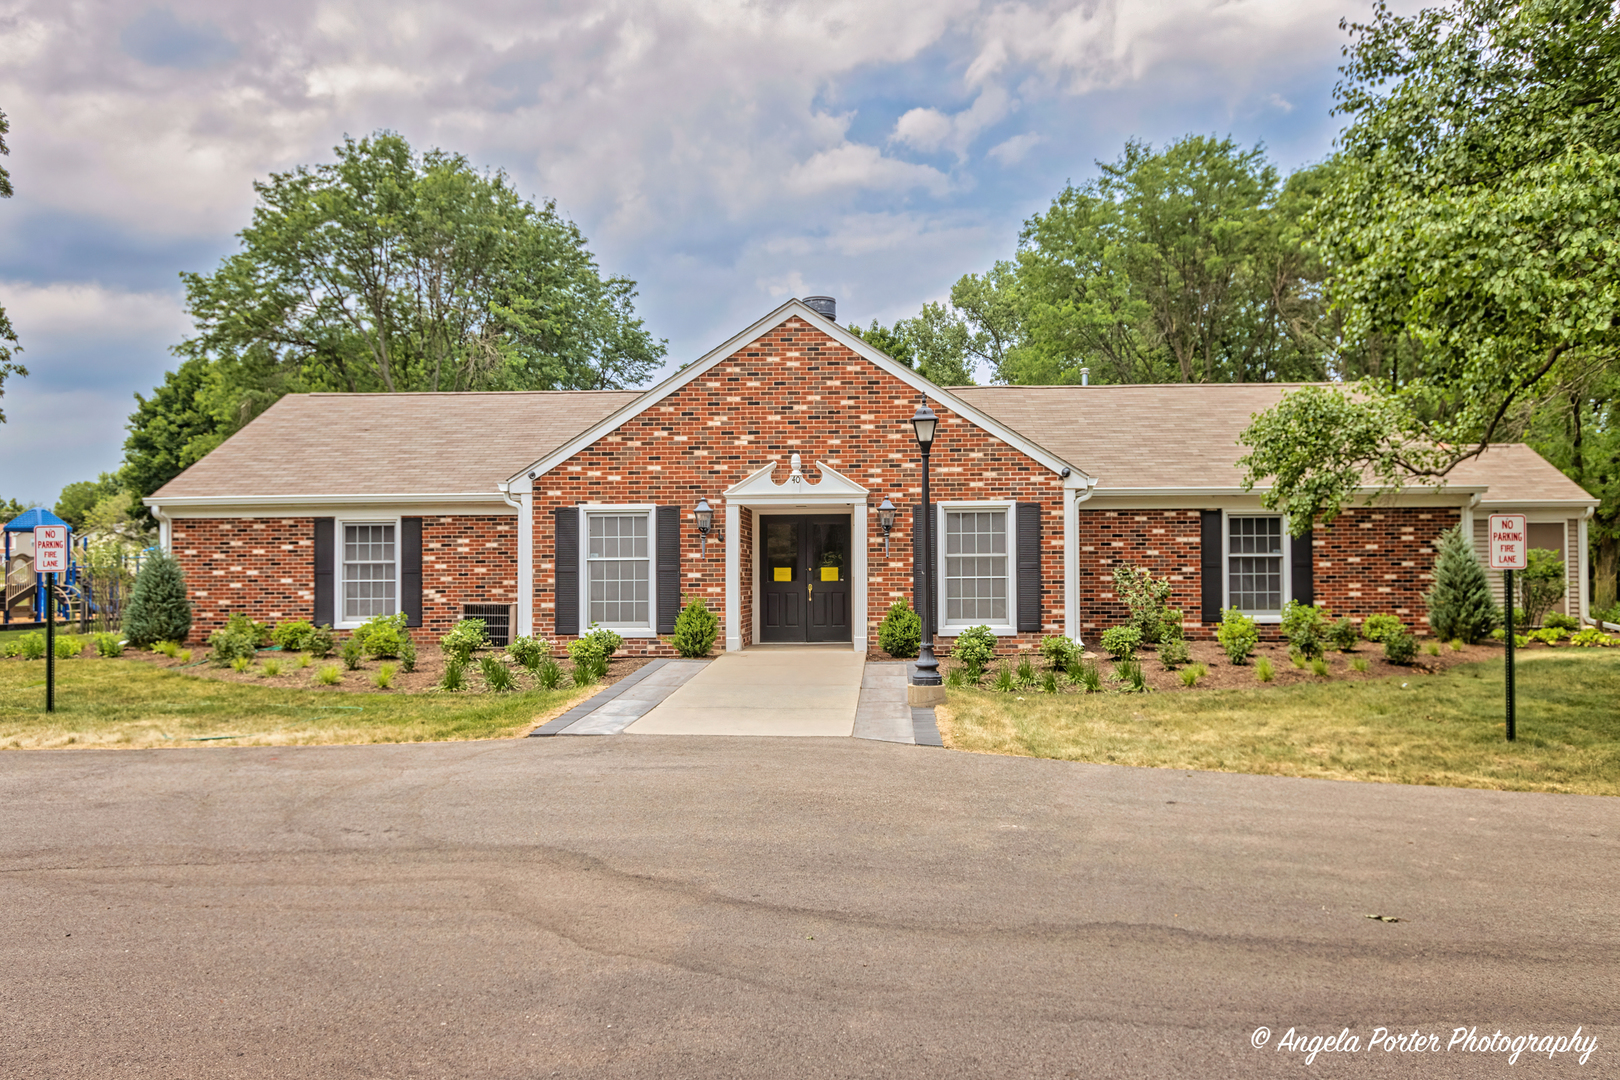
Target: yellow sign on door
{"x": 784, "y": 573}
{"x": 829, "y": 573}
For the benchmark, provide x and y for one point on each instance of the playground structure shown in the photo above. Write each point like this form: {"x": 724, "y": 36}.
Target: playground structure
{"x": 82, "y": 595}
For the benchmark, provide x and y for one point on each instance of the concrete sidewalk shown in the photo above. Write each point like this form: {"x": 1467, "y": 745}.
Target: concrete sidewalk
{"x": 800, "y": 690}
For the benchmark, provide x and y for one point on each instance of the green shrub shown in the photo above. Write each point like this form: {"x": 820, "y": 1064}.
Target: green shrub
{"x": 1592, "y": 637}
{"x": 464, "y": 639}
{"x": 1121, "y": 642}
{"x": 1306, "y": 628}
{"x": 900, "y": 632}
{"x": 1460, "y": 601}
{"x": 1026, "y": 671}
{"x": 591, "y": 652}
{"x": 1432, "y": 648}
{"x": 1400, "y": 648}
{"x": 1541, "y": 583}
{"x": 1319, "y": 668}
{"x": 1344, "y": 635}
{"x": 68, "y": 646}
{"x": 321, "y": 642}
{"x": 382, "y": 637}
{"x": 548, "y": 674}
{"x": 1004, "y": 681}
{"x": 329, "y": 675}
{"x": 528, "y": 652}
{"x": 455, "y": 676}
{"x": 1089, "y": 676}
{"x": 1549, "y": 635}
{"x": 1129, "y": 674}
{"x": 1147, "y": 598}
{"x": 31, "y": 646}
{"x": 1360, "y": 664}
{"x": 184, "y": 656}
{"x": 1558, "y": 620}
{"x": 109, "y": 644}
{"x": 351, "y": 653}
{"x": 1377, "y": 627}
{"x": 1297, "y": 658}
{"x": 237, "y": 639}
{"x": 974, "y": 647}
{"x": 1263, "y": 670}
{"x": 1173, "y": 653}
{"x": 407, "y": 653}
{"x": 585, "y": 671}
{"x": 171, "y": 649}
{"x": 1059, "y": 652}
{"x": 1456, "y": 645}
{"x": 271, "y": 669}
{"x": 10, "y": 648}
{"x": 292, "y": 636}
{"x": 1049, "y": 683}
{"x": 695, "y": 630}
{"x": 1190, "y": 675}
{"x": 158, "y": 607}
{"x": 241, "y": 664}
{"x": 497, "y": 676}
{"x": 304, "y": 661}
{"x": 1238, "y": 635}
{"x": 384, "y": 676}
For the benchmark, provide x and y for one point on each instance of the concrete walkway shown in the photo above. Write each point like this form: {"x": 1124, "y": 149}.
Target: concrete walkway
{"x": 799, "y": 690}
{"x": 618, "y": 706}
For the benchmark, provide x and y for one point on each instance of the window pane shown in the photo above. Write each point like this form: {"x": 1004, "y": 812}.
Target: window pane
{"x": 976, "y": 566}
{"x": 620, "y": 570}
{"x": 1255, "y": 564}
{"x": 368, "y": 571}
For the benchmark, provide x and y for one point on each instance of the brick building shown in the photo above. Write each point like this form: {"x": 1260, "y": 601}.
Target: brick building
{"x": 549, "y": 511}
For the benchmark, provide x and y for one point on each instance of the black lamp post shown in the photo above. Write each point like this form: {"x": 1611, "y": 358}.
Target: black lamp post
{"x": 886, "y": 522}
{"x": 705, "y": 521}
{"x": 923, "y": 422}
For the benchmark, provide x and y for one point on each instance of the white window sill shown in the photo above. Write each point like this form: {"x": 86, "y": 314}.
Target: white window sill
{"x": 956, "y": 631}
{"x": 623, "y": 631}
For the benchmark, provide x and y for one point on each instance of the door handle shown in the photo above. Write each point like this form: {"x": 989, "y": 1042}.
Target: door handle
{"x": 812, "y": 587}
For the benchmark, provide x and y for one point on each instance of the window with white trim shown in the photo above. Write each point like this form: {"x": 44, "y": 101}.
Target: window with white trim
{"x": 1256, "y": 564}
{"x": 977, "y": 582}
{"x": 370, "y": 571}
{"x": 618, "y": 570}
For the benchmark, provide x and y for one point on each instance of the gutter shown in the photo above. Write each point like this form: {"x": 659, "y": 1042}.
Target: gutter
{"x": 525, "y": 556}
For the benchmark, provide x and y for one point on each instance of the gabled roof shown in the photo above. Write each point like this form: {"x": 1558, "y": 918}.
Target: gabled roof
{"x": 415, "y": 446}
{"x": 796, "y": 309}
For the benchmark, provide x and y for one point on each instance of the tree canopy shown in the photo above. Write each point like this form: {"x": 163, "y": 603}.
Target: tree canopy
{"x": 8, "y": 336}
{"x": 1474, "y": 214}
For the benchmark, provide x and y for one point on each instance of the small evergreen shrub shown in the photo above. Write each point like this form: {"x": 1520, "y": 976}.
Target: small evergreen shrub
{"x": 329, "y": 675}
{"x": 464, "y": 639}
{"x": 271, "y": 669}
{"x": 497, "y": 676}
{"x": 1147, "y": 598}
{"x": 236, "y": 640}
{"x": 158, "y": 608}
{"x": 351, "y": 653}
{"x": 384, "y": 676}
{"x": 1344, "y": 635}
{"x": 109, "y": 645}
{"x": 1377, "y": 627}
{"x": 548, "y": 674}
{"x": 407, "y": 653}
{"x": 527, "y": 652}
{"x": 292, "y": 636}
{"x": 1306, "y": 628}
{"x": 900, "y": 632}
{"x": 696, "y": 627}
{"x": 241, "y": 664}
{"x": 455, "y": 676}
{"x": 321, "y": 642}
{"x": 1121, "y": 642}
{"x": 974, "y": 647}
{"x": 382, "y": 637}
{"x": 1400, "y": 648}
{"x": 1460, "y": 601}
{"x": 1263, "y": 670}
{"x": 1173, "y": 653}
{"x": 1059, "y": 652}
{"x": 1238, "y": 635}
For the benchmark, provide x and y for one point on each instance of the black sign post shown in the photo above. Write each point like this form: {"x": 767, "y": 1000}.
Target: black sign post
{"x": 1507, "y": 580}
{"x": 50, "y": 643}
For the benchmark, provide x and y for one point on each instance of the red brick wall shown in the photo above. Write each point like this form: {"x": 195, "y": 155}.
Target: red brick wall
{"x": 262, "y": 567}
{"x": 265, "y": 568}
{"x": 795, "y": 390}
{"x": 1371, "y": 560}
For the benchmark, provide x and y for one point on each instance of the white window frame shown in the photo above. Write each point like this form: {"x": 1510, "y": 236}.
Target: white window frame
{"x": 1226, "y": 561}
{"x": 952, "y": 629}
{"x": 339, "y": 621}
{"x": 619, "y": 510}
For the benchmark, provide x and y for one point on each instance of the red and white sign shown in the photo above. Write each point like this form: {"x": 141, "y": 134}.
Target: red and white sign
{"x": 50, "y": 549}
{"x": 1509, "y": 542}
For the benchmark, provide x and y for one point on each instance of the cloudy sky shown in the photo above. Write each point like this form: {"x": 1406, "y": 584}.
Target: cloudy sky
{"x": 724, "y": 154}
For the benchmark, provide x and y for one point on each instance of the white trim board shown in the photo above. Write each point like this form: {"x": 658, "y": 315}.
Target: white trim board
{"x": 770, "y": 322}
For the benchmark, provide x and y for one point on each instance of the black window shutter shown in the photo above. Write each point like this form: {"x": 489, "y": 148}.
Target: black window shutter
{"x": 917, "y": 569}
{"x": 1029, "y": 568}
{"x": 325, "y": 556}
{"x": 1302, "y": 572}
{"x": 410, "y": 570}
{"x": 1209, "y": 564}
{"x": 669, "y": 567}
{"x": 567, "y": 598}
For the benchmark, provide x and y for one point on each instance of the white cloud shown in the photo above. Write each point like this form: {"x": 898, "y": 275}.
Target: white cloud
{"x": 86, "y": 311}
{"x": 929, "y": 129}
{"x": 853, "y": 165}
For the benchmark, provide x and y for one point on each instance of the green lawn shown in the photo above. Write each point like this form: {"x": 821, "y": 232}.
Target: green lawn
{"x": 127, "y": 703}
{"x": 1425, "y": 729}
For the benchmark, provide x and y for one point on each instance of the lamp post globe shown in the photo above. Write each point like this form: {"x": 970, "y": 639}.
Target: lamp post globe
{"x": 924, "y": 422}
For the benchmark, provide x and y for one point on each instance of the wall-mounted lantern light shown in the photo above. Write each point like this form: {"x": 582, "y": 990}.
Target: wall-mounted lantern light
{"x": 886, "y": 522}
{"x": 705, "y": 521}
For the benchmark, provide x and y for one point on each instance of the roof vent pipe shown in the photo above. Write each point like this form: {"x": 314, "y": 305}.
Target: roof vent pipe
{"x": 823, "y": 305}
{"x": 1085, "y": 376}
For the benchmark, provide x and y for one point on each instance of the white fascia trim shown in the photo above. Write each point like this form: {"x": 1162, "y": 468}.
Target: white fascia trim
{"x": 1573, "y": 506}
{"x": 752, "y": 334}
{"x": 186, "y": 502}
{"x": 1228, "y": 492}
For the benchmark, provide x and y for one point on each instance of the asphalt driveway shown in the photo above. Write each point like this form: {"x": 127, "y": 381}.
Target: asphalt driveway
{"x": 691, "y": 907}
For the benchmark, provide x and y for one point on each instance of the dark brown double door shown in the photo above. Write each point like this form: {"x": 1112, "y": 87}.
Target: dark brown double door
{"x": 804, "y": 578}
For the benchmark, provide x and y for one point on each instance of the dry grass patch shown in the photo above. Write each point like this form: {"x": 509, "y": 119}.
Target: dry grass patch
{"x": 1445, "y": 729}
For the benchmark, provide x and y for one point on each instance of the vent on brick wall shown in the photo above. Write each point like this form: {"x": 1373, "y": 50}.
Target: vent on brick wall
{"x": 499, "y": 619}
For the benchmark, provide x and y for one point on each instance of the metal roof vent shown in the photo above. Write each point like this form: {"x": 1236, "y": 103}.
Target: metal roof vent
{"x": 823, "y": 305}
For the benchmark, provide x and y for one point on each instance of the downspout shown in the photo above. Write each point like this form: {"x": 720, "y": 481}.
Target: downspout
{"x": 525, "y": 557}
{"x": 1071, "y": 560}
{"x": 165, "y": 529}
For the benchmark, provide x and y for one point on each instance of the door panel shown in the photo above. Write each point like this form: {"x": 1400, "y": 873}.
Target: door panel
{"x": 804, "y": 578}
{"x": 781, "y": 579}
{"x": 828, "y": 563}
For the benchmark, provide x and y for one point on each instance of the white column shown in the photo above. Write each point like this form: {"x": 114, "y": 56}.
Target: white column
{"x": 859, "y": 611}
{"x": 733, "y": 586}
{"x": 1071, "y": 564}
{"x": 525, "y": 564}
{"x": 1583, "y": 611}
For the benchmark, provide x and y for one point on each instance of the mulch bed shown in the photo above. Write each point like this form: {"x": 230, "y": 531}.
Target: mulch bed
{"x": 429, "y": 670}
{"x": 1224, "y": 674}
